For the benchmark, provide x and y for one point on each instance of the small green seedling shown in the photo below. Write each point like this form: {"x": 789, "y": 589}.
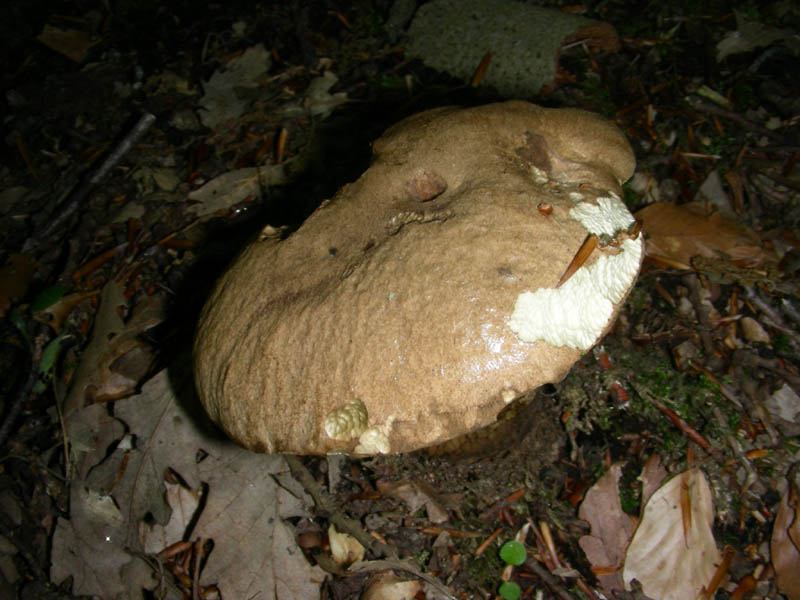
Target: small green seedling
{"x": 512, "y": 553}
{"x": 509, "y": 590}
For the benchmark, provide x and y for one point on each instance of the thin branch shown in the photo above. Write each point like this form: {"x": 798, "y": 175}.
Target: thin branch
{"x": 70, "y": 206}
{"x": 16, "y": 407}
{"x": 549, "y": 579}
{"x": 327, "y": 505}
{"x": 701, "y": 106}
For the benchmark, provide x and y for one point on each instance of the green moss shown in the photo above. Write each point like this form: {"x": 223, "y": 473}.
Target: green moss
{"x": 485, "y": 570}
{"x": 780, "y": 343}
{"x": 650, "y": 378}
{"x": 630, "y": 490}
{"x": 422, "y": 557}
{"x": 792, "y": 444}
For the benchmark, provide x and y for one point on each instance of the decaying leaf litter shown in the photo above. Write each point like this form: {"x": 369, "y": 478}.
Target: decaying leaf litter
{"x": 699, "y": 376}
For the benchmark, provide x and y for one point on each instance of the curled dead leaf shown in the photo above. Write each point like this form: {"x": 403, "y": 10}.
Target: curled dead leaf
{"x": 673, "y": 554}
{"x": 388, "y": 586}
{"x": 345, "y": 549}
{"x": 611, "y": 529}
{"x": 785, "y": 546}
{"x": 676, "y": 234}
{"x": 55, "y": 314}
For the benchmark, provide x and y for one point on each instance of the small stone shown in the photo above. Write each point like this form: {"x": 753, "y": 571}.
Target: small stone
{"x": 753, "y": 331}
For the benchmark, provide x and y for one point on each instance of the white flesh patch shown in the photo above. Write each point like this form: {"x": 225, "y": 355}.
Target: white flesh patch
{"x": 608, "y": 216}
{"x": 576, "y": 313}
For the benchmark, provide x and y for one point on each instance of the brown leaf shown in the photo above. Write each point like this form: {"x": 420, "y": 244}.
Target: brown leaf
{"x": 653, "y": 473}
{"x": 116, "y": 359}
{"x": 678, "y": 233}
{"x": 55, "y": 314}
{"x": 611, "y": 529}
{"x": 669, "y": 562}
{"x": 244, "y": 512}
{"x": 345, "y": 549}
{"x": 415, "y": 495}
{"x": 183, "y": 503}
{"x": 388, "y": 586}
{"x": 784, "y": 549}
{"x": 72, "y": 43}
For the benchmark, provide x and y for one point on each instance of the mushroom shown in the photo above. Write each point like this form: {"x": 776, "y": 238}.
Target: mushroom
{"x": 422, "y": 299}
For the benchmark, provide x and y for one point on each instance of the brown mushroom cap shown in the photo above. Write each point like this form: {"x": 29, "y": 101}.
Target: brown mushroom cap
{"x": 385, "y": 315}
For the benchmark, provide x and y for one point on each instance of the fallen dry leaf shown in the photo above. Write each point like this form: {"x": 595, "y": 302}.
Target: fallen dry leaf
{"x": 675, "y": 234}
{"x": 227, "y": 190}
{"x": 749, "y": 35}
{"x": 670, "y": 563}
{"x": 116, "y": 360}
{"x": 653, "y": 473}
{"x": 388, "y": 586}
{"x": 415, "y": 495}
{"x": 241, "y": 185}
{"x": 611, "y": 529}
{"x": 90, "y": 548}
{"x": 254, "y": 555}
{"x": 183, "y": 503}
{"x": 55, "y": 314}
{"x": 91, "y": 432}
{"x": 231, "y": 90}
{"x": 345, "y": 549}
{"x": 72, "y": 43}
{"x": 785, "y": 548}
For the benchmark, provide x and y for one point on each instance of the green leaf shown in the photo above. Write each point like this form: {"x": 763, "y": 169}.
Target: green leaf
{"x": 48, "y": 296}
{"x": 513, "y": 553}
{"x": 50, "y": 354}
{"x": 19, "y": 323}
{"x": 509, "y": 590}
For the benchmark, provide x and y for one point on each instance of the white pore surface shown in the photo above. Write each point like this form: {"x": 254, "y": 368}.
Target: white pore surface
{"x": 576, "y": 314}
{"x": 608, "y": 216}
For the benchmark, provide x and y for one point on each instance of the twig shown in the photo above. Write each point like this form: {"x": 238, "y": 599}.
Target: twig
{"x": 71, "y": 204}
{"x": 22, "y": 546}
{"x": 402, "y": 565}
{"x": 736, "y": 446}
{"x": 771, "y": 317}
{"x": 549, "y": 579}
{"x": 727, "y": 114}
{"x": 485, "y": 543}
{"x": 198, "y": 559}
{"x": 693, "y": 283}
{"x": 756, "y": 394}
{"x": 724, "y": 388}
{"x": 24, "y": 393}
{"x": 689, "y": 431}
{"x": 328, "y": 506}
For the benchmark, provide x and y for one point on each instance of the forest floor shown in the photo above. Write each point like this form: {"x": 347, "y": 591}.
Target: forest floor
{"x": 107, "y": 258}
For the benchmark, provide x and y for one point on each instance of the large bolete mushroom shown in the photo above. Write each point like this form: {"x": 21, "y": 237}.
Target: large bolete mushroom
{"x": 424, "y": 297}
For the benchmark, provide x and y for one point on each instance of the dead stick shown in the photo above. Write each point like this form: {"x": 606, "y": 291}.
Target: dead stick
{"x": 727, "y": 114}
{"x": 16, "y": 408}
{"x": 69, "y": 206}
{"x": 549, "y": 580}
{"x": 328, "y": 506}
